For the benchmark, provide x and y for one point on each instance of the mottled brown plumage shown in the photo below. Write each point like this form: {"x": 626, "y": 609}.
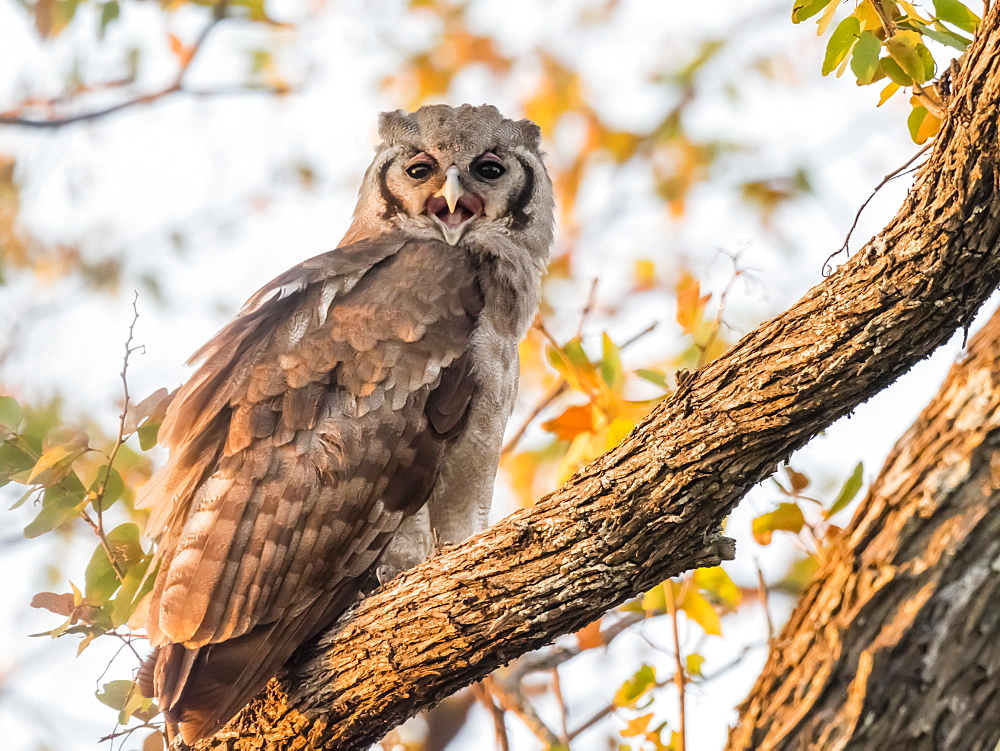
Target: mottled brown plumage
{"x": 350, "y": 418}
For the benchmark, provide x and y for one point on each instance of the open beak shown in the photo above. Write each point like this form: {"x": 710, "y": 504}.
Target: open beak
{"x": 452, "y": 207}
{"x": 452, "y": 189}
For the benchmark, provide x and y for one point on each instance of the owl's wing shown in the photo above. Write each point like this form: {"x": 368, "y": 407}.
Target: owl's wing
{"x": 314, "y": 426}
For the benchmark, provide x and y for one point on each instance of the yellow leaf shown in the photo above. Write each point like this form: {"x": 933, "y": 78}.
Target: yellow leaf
{"x": 620, "y": 144}
{"x": 716, "y": 583}
{"x": 867, "y": 15}
{"x": 694, "y": 661}
{"x": 700, "y": 610}
{"x": 636, "y": 687}
{"x": 787, "y": 517}
{"x": 49, "y": 459}
{"x": 887, "y": 92}
{"x": 654, "y": 601}
{"x": 644, "y": 275}
{"x": 824, "y": 21}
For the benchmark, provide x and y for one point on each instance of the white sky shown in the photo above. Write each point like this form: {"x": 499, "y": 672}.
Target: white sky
{"x": 122, "y": 184}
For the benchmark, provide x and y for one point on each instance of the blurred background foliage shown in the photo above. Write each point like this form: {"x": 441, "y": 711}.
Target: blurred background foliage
{"x": 161, "y": 160}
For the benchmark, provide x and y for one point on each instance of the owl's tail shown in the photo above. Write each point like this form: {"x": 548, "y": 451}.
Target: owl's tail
{"x": 199, "y": 690}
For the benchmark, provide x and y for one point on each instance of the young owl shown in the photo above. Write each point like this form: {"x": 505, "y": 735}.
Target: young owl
{"x": 350, "y": 418}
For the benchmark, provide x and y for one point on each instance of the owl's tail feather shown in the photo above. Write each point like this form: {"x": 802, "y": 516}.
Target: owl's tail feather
{"x": 201, "y": 689}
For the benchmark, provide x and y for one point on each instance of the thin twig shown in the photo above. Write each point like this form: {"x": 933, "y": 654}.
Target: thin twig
{"x": 678, "y": 669}
{"x": 554, "y": 393}
{"x": 845, "y": 248}
{"x": 482, "y": 691}
{"x": 762, "y": 589}
{"x": 561, "y": 705}
{"x": 592, "y": 720}
{"x": 98, "y": 500}
{"x": 219, "y": 12}
{"x": 720, "y": 310}
{"x": 733, "y": 663}
{"x": 538, "y": 662}
{"x": 509, "y": 695}
{"x": 588, "y": 307}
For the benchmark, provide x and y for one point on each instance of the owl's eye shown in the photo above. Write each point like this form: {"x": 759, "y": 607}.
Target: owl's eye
{"x": 420, "y": 170}
{"x": 489, "y": 169}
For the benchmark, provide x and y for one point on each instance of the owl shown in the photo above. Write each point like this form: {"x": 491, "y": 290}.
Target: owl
{"x": 349, "y": 420}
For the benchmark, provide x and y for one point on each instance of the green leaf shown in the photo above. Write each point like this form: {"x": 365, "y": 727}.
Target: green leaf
{"x": 135, "y": 586}
{"x": 805, "y": 9}
{"x": 10, "y": 415}
{"x": 955, "y": 13}
{"x": 848, "y": 490}
{"x": 945, "y": 36}
{"x": 15, "y": 458}
{"x": 656, "y": 377}
{"x": 611, "y": 365}
{"x": 841, "y": 41}
{"x": 896, "y": 74}
{"x": 911, "y": 54}
{"x": 636, "y": 687}
{"x": 24, "y": 497}
{"x": 864, "y": 61}
{"x": 60, "y": 503}
{"x": 101, "y": 579}
{"x": 112, "y": 489}
{"x": 116, "y": 694}
{"x": 148, "y": 434}
{"x": 109, "y": 12}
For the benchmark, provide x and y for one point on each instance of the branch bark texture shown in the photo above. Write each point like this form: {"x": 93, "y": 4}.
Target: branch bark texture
{"x": 896, "y": 643}
{"x": 652, "y": 507}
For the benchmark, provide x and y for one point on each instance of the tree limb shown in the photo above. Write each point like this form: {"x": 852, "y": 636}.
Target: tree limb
{"x": 895, "y": 642}
{"x": 652, "y": 507}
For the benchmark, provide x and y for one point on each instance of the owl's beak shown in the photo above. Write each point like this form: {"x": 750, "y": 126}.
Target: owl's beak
{"x": 452, "y": 189}
{"x": 453, "y": 207}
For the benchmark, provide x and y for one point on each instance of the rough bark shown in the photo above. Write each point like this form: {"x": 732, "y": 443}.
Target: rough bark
{"x": 651, "y": 508}
{"x": 896, "y": 643}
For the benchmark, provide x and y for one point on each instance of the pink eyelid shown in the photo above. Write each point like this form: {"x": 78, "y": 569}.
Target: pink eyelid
{"x": 421, "y": 157}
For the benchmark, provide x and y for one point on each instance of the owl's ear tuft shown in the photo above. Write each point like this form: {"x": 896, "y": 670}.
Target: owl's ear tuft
{"x": 392, "y": 126}
{"x": 530, "y": 132}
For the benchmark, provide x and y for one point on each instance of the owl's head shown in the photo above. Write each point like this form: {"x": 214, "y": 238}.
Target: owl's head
{"x": 465, "y": 175}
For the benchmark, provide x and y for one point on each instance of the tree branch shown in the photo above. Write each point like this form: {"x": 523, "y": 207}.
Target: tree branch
{"x": 894, "y": 644}
{"x": 652, "y": 507}
{"x": 219, "y": 12}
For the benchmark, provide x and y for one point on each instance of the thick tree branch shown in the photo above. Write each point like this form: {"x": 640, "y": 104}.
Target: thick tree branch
{"x": 651, "y": 507}
{"x": 895, "y": 643}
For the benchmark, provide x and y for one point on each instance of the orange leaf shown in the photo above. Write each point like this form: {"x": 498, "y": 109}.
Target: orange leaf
{"x": 176, "y": 46}
{"x": 690, "y": 302}
{"x": 636, "y": 726}
{"x": 589, "y": 637}
{"x": 572, "y": 422}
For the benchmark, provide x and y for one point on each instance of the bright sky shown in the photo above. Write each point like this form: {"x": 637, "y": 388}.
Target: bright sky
{"x": 201, "y": 167}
